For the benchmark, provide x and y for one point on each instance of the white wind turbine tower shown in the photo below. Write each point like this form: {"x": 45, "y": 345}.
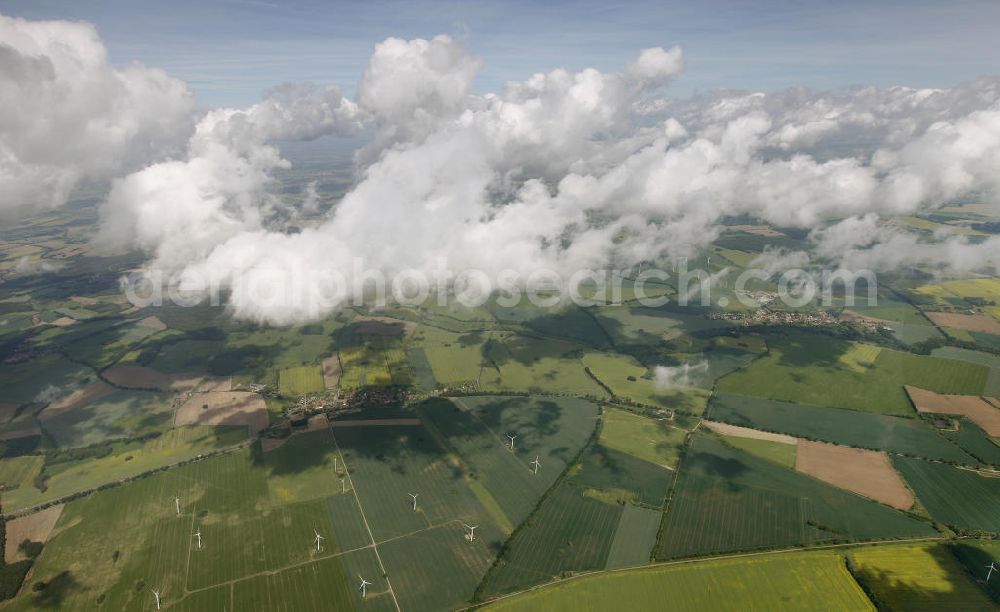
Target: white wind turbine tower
{"x": 363, "y": 587}
{"x": 472, "y": 531}
{"x": 177, "y": 505}
{"x": 991, "y": 567}
{"x": 197, "y": 534}
{"x": 342, "y": 487}
{"x": 414, "y": 496}
{"x": 318, "y": 538}
{"x": 512, "y": 437}
{"x": 156, "y": 594}
{"x": 535, "y": 465}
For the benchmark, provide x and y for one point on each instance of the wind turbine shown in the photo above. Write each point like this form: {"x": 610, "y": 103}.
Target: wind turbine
{"x": 197, "y": 534}
{"x": 156, "y": 594}
{"x": 342, "y": 489}
{"x": 991, "y": 567}
{"x": 335, "y": 463}
{"x": 362, "y": 588}
{"x": 472, "y": 531}
{"x": 414, "y": 496}
{"x": 536, "y": 465}
{"x": 177, "y": 505}
{"x": 511, "y": 441}
{"x": 318, "y": 538}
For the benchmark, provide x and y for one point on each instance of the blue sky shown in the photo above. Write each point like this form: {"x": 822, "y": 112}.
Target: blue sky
{"x": 229, "y": 51}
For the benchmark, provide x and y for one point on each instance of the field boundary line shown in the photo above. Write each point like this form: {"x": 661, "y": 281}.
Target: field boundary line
{"x": 371, "y": 536}
{"x": 273, "y": 572}
{"x": 428, "y": 528}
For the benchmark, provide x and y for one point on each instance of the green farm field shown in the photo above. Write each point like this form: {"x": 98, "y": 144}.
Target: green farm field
{"x": 375, "y": 363}
{"x": 575, "y": 527}
{"x": 975, "y": 442}
{"x": 989, "y": 360}
{"x": 641, "y": 325}
{"x": 476, "y": 429}
{"x": 962, "y": 498}
{"x": 300, "y": 381}
{"x": 792, "y": 581}
{"x": 23, "y": 382}
{"x": 727, "y": 500}
{"x": 126, "y": 460}
{"x": 804, "y": 367}
{"x": 387, "y": 463}
{"x": 652, "y": 440}
{"x": 18, "y": 471}
{"x": 116, "y": 546}
{"x": 975, "y": 557}
{"x": 779, "y": 452}
{"x": 922, "y": 577}
{"x": 122, "y": 414}
{"x": 840, "y": 426}
{"x": 635, "y": 537}
{"x": 526, "y": 363}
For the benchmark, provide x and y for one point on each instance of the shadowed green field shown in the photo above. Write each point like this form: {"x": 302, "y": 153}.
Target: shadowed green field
{"x": 727, "y": 500}
{"x": 803, "y": 368}
{"x": 840, "y": 426}
{"x": 923, "y": 577}
{"x": 957, "y": 497}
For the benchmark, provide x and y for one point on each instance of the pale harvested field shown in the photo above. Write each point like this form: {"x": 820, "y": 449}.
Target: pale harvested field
{"x": 375, "y": 422}
{"x": 153, "y": 323}
{"x": 865, "y": 472}
{"x": 757, "y": 230}
{"x": 224, "y": 408}
{"x": 35, "y": 527}
{"x": 726, "y": 429}
{"x": 83, "y": 300}
{"x": 968, "y": 322}
{"x": 975, "y": 408}
{"x": 383, "y": 326}
{"x": 7, "y": 411}
{"x": 78, "y": 397}
{"x": 141, "y": 377}
{"x": 60, "y": 322}
{"x": 331, "y": 372}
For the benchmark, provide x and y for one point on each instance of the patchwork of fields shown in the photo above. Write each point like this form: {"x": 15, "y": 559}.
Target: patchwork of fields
{"x": 515, "y": 458}
{"x": 804, "y": 368}
{"x": 727, "y": 500}
{"x": 845, "y": 427}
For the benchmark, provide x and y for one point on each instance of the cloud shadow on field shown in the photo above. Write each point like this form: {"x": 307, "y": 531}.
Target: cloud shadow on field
{"x": 890, "y": 591}
{"x": 715, "y": 465}
{"x": 56, "y": 590}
